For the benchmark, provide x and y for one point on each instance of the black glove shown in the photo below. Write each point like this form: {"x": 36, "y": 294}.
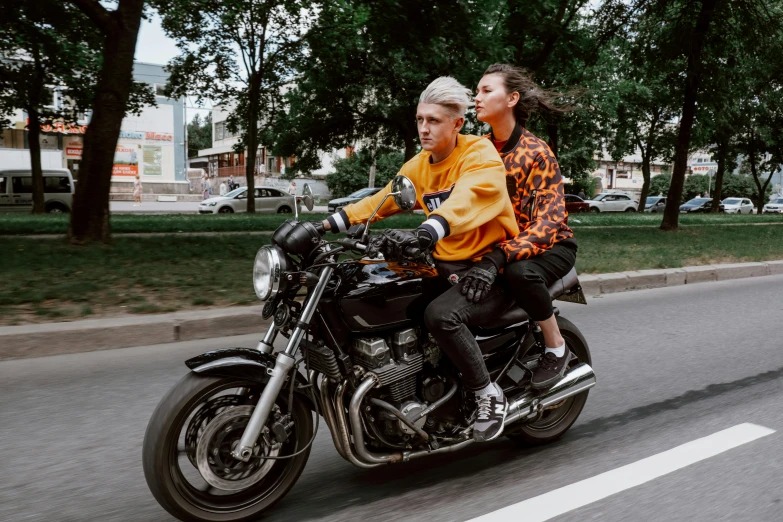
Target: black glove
{"x": 319, "y": 227}
{"x": 478, "y": 281}
{"x": 400, "y": 244}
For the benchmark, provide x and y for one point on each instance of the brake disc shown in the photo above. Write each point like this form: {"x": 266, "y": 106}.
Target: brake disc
{"x": 203, "y": 417}
{"x": 213, "y": 452}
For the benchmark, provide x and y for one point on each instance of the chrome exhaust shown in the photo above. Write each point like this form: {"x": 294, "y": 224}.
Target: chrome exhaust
{"x": 576, "y": 380}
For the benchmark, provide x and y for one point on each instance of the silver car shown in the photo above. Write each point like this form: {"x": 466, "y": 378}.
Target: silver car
{"x": 774, "y": 207}
{"x": 268, "y": 199}
{"x": 16, "y": 190}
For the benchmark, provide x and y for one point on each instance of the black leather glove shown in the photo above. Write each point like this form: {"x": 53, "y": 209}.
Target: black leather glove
{"x": 319, "y": 226}
{"x": 400, "y": 244}
{"x": 478, "y": 281}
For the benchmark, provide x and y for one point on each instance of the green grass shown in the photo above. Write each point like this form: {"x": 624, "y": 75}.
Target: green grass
{"x": 48, "y": 280}
{"x": 25, "y": 224}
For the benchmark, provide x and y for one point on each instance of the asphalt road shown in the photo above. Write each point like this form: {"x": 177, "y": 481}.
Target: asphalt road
{"x": 168, "y": 207}
{"x": 674, "y": 365}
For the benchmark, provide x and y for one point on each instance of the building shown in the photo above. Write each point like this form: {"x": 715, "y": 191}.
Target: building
{"x": 221, "y": 161}
{"x": 151, "y": 144}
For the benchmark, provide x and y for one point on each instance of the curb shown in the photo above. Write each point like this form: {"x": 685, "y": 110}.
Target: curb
{"x": 642, "y": 279}
{"x": 41, "y": 340}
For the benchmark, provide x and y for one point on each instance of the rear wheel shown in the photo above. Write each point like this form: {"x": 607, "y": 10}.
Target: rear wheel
{"x": 557, "y": 419}
{"x": 187, "y": 450}
{"x": 630, "y": 209}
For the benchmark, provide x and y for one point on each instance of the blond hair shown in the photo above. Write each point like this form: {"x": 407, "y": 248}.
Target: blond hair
{"x": 449, "y": 93}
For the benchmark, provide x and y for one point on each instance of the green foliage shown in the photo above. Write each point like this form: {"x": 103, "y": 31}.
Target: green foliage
{"x": 363, "y": 74}
{"x": 239, "y": 54}
{"x": 352, "y": 173}
{"x": 199, "y": 134}
{"x": 659, "y": 185}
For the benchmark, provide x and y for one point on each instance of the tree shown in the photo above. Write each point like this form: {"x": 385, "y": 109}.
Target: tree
{"x": 644, "y": 93}
{"x": 659, "y": 185}
{"x": 199, "y": 135}
{"x": 352, "y": 173}
{"x": 116, "y": 94}
{"x": 238, "y": 53}
{"x": 362, "y": 75}
{"x": 43, "y": 45}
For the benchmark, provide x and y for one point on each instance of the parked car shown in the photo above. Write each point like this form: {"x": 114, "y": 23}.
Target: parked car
{"x": 697, "y": 205}
{"x": 16, "y": 190}
{"x": 655, "y": 204}
{"x": 268, "y": 199}
{"x": 575, "y": 204}
{"x": 773, "y": 207}
{"x": 737, "y": 206}
{"x": 612, "y": 202}
{"x": 336, "y": 205}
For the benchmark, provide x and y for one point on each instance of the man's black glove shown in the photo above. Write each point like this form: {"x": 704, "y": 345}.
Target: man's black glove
{"x": 478, "y": 281}
{"x": 319, "y": 227}
{"x": 400, "y": 244}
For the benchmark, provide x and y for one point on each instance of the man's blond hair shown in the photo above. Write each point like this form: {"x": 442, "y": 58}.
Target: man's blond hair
{"x": 449, "y": 93}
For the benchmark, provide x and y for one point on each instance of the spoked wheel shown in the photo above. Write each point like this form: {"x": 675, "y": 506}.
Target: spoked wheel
{"x": 187, "y": 450}
{"x": 558, "y": 418}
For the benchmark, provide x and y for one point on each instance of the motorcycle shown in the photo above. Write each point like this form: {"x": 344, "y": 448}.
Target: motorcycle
{"x": 232, "y": 437}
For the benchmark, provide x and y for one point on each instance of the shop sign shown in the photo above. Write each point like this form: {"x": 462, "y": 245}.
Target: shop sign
{"x": 130, "y": 135}
{"x": 76, "y": 152}
{"x": 701, "y": 169}
{"x": 126, "y": 161}
{"x": 159, "y": 136}
{"x": 61, "y": 127}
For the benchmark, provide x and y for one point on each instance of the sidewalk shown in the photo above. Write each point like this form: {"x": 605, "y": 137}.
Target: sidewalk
{"x": 39, "y": 340}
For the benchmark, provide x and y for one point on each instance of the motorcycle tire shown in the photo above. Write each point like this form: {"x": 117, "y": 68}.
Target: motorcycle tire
{"x": 554, "y": 423}
{"x": 162, "y": 454}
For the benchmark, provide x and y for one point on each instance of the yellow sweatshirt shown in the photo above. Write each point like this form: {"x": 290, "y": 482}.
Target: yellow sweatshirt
{"x": 464, "y": 196}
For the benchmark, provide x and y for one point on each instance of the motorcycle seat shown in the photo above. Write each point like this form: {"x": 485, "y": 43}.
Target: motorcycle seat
{"x": 515, "y": 314}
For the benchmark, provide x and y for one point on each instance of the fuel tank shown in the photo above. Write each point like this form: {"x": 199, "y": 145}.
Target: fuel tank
{"x": 375, "y": 294}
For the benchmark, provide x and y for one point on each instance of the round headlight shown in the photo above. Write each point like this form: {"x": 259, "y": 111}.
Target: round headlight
{"x": 266, "y": 273}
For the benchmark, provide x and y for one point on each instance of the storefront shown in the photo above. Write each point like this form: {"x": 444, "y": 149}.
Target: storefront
{"x": 150, "y": 144}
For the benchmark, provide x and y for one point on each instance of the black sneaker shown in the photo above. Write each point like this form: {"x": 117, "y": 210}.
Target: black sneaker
{"x": 490, "y": 416}
{"x": 551, "y": 369}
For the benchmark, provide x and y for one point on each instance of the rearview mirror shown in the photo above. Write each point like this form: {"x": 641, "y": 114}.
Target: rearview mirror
{"x": 307, "y": 197}
{"x": 404, "y": 192}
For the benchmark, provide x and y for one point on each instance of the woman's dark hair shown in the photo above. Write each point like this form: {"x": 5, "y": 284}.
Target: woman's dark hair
{"x": 532, "y": 98}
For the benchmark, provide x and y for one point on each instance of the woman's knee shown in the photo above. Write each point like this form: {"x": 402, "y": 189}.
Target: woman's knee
{"x": 522, "y": 274}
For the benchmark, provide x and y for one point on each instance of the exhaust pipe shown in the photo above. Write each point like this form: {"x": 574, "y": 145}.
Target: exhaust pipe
{"x": 576, "y": 380}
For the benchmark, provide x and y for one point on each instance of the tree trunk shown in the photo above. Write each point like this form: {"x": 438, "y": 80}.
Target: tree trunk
{"x": 671, "y": 213}
{"x": 646, "y": 182}
{"x": 33, "y": 137}
{"x": 90, "y": 216}
{"x": 254, "y": 86}
{"x": 551, "y": 129}
{"x": 716, "y": 191}
{"x": 761, "y": 189}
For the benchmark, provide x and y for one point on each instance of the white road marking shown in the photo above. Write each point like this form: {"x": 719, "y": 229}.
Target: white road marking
{"x": 573, "y": 496}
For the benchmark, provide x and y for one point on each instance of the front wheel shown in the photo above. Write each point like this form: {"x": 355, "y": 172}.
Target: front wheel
{"x": 556, "y": 420}
{"x": 594, "y": 210}
{"x": 187, "y": 450}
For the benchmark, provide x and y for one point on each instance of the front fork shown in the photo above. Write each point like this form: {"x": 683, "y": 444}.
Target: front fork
{"x": 283, "y": 365}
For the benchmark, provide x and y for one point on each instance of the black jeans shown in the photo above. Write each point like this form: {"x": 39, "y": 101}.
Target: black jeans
{"x": 450, "y": 315}
{"x": 528, "y": 280}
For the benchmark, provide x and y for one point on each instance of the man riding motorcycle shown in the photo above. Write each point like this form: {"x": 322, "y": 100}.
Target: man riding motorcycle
{"x": 461, "y": 186}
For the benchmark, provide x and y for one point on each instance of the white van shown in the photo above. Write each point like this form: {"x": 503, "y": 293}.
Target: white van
{"x": 16, "y": 190}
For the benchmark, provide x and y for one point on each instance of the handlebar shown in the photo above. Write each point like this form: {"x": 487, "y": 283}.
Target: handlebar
{"x": 353, "y": 244}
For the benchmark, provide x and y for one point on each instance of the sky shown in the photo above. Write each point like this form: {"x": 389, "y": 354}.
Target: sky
{"x": 153, "y": 46}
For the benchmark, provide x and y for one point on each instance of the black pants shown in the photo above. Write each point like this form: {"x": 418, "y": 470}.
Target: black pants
{"x": 450, "y": 316}
{"x": 528, "y": 280}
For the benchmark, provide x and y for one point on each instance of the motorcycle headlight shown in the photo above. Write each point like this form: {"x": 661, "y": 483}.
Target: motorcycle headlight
{"x": 267, "y": 273}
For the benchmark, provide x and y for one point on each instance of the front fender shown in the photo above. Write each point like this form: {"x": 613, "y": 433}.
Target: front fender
{"x": 245, "y": 363}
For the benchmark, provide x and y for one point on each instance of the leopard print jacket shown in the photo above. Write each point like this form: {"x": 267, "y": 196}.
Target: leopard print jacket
{"x": 535, "y": 187}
